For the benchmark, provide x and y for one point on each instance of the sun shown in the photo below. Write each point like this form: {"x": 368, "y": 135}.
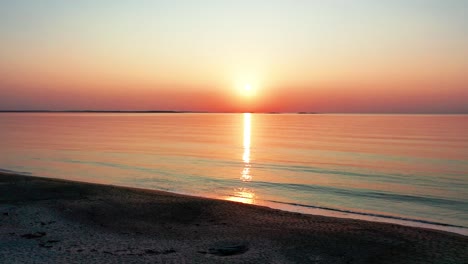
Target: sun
{"x": 247, "y": 90}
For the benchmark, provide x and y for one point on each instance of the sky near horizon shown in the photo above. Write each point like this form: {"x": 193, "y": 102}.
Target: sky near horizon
{"x": 322, "y": 56}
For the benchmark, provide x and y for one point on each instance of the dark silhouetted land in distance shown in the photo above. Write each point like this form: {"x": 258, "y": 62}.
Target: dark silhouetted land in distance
{"x": 221, "y": 112}
{"x": 94, "y": 111}
{"x": 57, "y": 221}
{"x": 139, "y": 111}
{"x": 136, "y": 111}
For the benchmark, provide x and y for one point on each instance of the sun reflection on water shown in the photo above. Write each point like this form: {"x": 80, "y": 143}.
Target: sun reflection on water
{"x": 242, "y": 195}
{"x": 245, "y": 174}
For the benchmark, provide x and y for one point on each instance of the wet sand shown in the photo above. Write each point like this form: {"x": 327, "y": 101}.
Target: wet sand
{"x": 57, "y": 221}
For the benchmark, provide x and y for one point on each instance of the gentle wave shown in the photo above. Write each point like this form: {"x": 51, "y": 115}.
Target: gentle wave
{"x": 369, "y": 214}
{"x": 15, "y": 172}
{"x": 394, "y": 177}
{"x": 353, "y": 192}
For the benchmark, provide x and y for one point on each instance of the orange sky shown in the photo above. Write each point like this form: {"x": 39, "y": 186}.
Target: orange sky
{"x": 402, "y": 56}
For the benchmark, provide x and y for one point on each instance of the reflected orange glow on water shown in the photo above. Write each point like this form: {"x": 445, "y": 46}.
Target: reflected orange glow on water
{"x": 247, "y": 129}
{"x": 242, "y": 195}
{"x": 245, "y": 174}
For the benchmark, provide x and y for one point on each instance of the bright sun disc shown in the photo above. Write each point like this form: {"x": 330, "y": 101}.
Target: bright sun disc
{"x": 247, "y": 90}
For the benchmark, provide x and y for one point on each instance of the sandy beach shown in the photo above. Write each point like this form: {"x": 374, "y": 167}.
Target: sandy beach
{"x": 57, "y": 221}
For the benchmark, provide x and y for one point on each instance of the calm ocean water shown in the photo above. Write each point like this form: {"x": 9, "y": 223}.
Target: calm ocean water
{"x": 407, "y": 168}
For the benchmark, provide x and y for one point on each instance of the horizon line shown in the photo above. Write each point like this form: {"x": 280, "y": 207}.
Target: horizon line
{"x": 223, "y": 112}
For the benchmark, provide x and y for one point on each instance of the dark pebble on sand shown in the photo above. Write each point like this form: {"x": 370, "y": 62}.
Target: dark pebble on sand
{"x": 169, "y": 251}
{"x": 228, "y": 249}
{"x": 45, "y": 245}
{"x": 34, "y": 235}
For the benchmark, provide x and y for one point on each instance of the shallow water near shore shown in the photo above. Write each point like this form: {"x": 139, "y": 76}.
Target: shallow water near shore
{"x": 410, "y": 168}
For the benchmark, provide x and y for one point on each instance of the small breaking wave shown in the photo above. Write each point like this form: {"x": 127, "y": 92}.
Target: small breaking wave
{"x": 368, "y": 214}
{"x": 15, "y": 172}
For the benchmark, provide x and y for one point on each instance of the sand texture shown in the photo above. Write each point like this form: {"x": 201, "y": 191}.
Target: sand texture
{"x": 56, "y": 221}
